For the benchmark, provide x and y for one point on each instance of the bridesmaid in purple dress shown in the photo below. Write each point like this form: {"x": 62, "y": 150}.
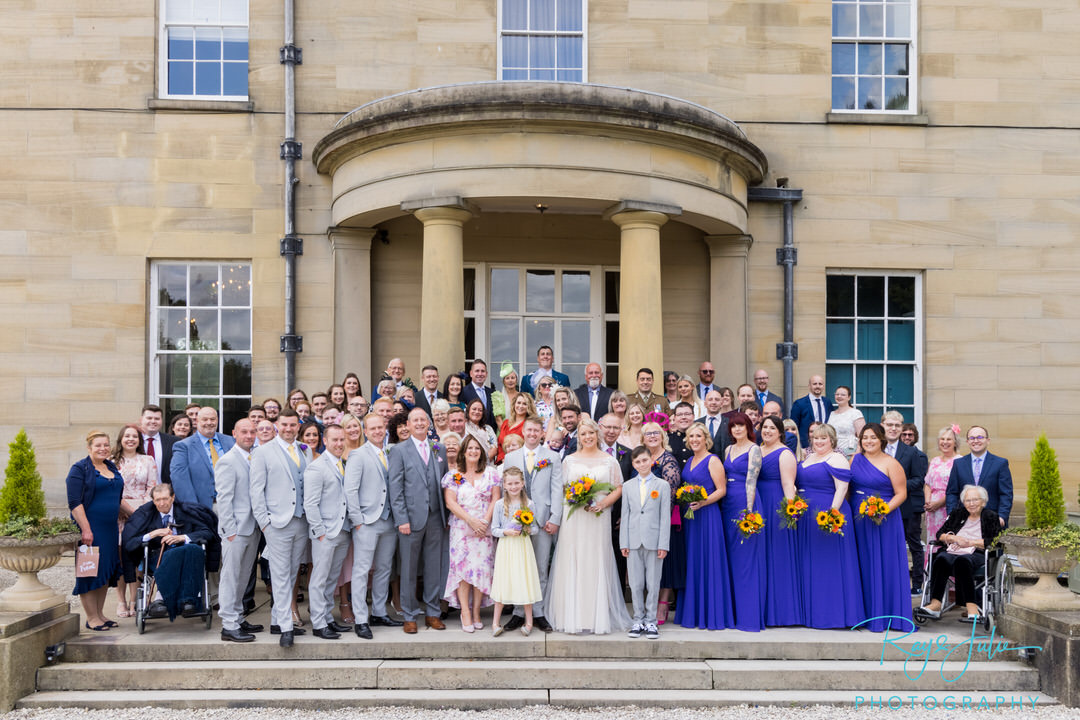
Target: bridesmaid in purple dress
{"x": 883, "y": 559}
{"x": 783, "y": 603}
{"x": 746, "y": 556}
{"x": 705, "y": 601}
{"x": 831, "y": 588}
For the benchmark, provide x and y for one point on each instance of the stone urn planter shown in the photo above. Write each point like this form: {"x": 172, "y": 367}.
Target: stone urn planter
{"x": 28, "y": 558}
{"x": 1047, "y": 593}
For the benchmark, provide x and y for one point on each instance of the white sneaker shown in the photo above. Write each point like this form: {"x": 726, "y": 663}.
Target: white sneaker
{"x": 635, "y": 632}
{"x": 652, "y": 632}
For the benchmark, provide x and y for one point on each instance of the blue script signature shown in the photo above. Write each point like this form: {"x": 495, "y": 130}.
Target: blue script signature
{"x": 924, "y": 652}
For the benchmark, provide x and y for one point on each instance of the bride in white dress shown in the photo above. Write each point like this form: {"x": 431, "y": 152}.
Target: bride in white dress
{"x": 584, "y": 593}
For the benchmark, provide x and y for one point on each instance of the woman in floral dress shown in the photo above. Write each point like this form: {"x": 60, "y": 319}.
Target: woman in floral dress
{"x": 937, "y": 479}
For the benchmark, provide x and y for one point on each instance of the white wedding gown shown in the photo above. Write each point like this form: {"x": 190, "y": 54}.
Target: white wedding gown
{"x": 584, "y": 593}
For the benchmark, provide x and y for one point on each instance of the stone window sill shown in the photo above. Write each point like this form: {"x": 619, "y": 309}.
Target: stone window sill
{"x": 876, "y": 119}
{"x": 201, "y": 105}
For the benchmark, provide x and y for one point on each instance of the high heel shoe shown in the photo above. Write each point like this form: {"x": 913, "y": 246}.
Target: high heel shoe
{"x": 122, "y": 609}
{"x": 347, "y": 616}
{"x": 665, "y": 604}
{"x": 297, "y": 621}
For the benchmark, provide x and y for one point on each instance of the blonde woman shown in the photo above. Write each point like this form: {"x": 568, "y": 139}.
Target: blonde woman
{"x": 503, "y": 400}
{"x": 632, "y": 434}
{"x": 686, "y": 390}
{"x": 514, "y": 424}
{"x": 937, "y": 479}
{"x": 354, "y": 434}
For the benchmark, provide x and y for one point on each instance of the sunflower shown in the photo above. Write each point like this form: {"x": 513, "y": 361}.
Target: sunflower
{"x": 822, "y": 517}
{"x": 792, "y": 510}
{"x": 526, "y": 517}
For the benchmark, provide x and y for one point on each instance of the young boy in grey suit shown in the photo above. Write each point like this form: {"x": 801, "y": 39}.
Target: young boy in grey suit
{"x": 644, "y": 535}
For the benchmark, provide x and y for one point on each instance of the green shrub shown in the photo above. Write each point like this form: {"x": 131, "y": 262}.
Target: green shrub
{"x": 1045, "y": 498}
{"x": 22, "y": 496}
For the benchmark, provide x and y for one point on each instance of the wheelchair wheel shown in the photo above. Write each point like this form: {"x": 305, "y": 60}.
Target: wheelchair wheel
{"x": 1006, "y": 583}
{"x": 209, "y": 619}
{"x": 140, "y": 621}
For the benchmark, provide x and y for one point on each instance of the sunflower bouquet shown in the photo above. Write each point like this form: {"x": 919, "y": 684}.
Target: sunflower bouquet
{"x": 525, "y": 518}
{"x": 687, "y": 494}
{"x": 831, "y": 521}
{"x": 874, "y": 508}
{"x": 791, "y": 510}
{"x": 749, "y": 523}
{"x": 583, "y": 491}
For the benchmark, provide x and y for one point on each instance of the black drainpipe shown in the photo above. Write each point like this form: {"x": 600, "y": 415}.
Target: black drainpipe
{"x": 788, "y": 351}
{"x": 292, "y": 244}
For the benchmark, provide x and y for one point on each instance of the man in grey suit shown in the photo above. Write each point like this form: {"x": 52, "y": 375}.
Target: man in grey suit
{"x": 543, "y": 484}
{"x": 277, "y": 501}
{"x": 239, "y": 536}
{"x": 644, "y": 537}
{"x": 416, "y": 468}
{"x": 367, "y": 492}
{"x": 326, "y": 511}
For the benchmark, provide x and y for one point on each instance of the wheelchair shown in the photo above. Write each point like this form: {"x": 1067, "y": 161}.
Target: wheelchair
{"x": 994, "y": 581}
{"x": 148, "y": 587}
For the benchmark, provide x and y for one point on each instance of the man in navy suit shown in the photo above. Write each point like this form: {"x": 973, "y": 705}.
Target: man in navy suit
{"x": 981, "y": 468}
{"x": 545, "y": 357}
{"x": 592, "y": 396}
{"x": 810, "y": 408}
{"x": 761, "y": 390}
{"x": 477, "y": 389}
{"x": 715, "y": 423}
{"x": 429, "y": 393}
{"x": 194, "y": 458}
{"x": 914, "y": 463}
{"x": 157, "y": 444}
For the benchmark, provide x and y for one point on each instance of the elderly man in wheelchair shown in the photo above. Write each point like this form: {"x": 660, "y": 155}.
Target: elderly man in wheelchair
{"x": 961, "y": 552}
{"x": 177, "y": 544}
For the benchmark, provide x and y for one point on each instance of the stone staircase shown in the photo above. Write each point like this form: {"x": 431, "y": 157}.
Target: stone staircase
{"x": 183, "y": 666}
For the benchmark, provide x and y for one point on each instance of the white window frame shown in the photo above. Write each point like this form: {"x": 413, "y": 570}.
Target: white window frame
{"x": 584, "y": 33}
{"x": 916, "y": 364}
{"x": 155, "y": 354}
{"x": 163, "y": 53}
{"x": 913, "y": 63}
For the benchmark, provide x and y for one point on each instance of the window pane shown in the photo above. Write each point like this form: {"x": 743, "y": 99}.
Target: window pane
{"x": 172, "y": 330}
{"x": 205, "y": 374}
{"x": 575, "y": 291}
{"x": 843, "y": 93}
{"x": 901, "y": 385}
{"x": 515, "y": 74}
{"x": 902, "y": 297}
{"x": 871, "y": 21}
{"x": 569, "y": 15}
{"x": 843, "y": 58}
{"x": 505, "y": 341}
{"x": 896, "y": 94}
{"x": 233, "y": 410}
{"x": 469, "y": 277}
{"x": 204, "y": 330}
{"x": 835, "y": 376}
{"x": 235, "y": 329}
{"x": 611, "y": 292}
{"x": 470, "y": 339}
{"x": 569, "y": 75}
{"x": 178, "y": 11}
{"x": 172, "y": 374}
{"x": 901, "y": 340}
{"x": 541, "y": 74}
{"x": 504, "y": 290}
{"x": 236, "y": 285}
{"x": 208, "y": 78}
{"x": 840, "y": 296}
{"x": 611, "y": 350}
{"x": 515, "y": 51}
{"x": 181, "y": 43}
{"x": 871, "y": 296}
{"x": 537, "y": 333}
{"x": 235, "y": 79}
{"x": 843, "y": 20}
{"x": 541, "y": 52}
{"x": 203, "y": 289}
{"x": 207, "y": 44}
{"x": 569, "y": 52}
{"x": 235, "y": 43}
{"x": 870, "y": 93}
{"x": 869, "y": 59}
{"x": 540, "y": 291}
{"x": 576, "y": 373}
{"x": 898, "y": 20}
{"x": 236, "y": 375}
{"x": 575, "y": 341}
{"x": 207, "y": 11}
{"x": 896, "y": 59}
{"x": 541, "y": 15}
{"x": 172, "y": 284}
{"x": 234, "y": 11}
{"x": 207, "y": 402}
{"x": 840, "y": 339}
{"x": 172, "y": 406}
{"x": 868, "y": 387}
{"x": 871, "y": 339}
{"x": 181, "y": 78}
{"x": 514, "y": 15}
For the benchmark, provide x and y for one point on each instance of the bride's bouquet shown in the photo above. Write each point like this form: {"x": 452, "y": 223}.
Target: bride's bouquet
{"x": 583, "y": 491}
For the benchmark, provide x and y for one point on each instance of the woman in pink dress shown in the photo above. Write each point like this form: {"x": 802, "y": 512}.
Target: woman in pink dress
{"x": 937, "y": 478}
{"x": 140, "y": 476}
{"x": 470, "y": 492}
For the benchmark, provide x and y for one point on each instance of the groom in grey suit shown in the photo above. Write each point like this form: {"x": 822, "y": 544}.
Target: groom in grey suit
{"x": 416, "y": 501}
{"x": 644, "y": 538}
{"x": 367, "y": 491}
{"x": 239, "y": 536}
{"x": 326, "y": 511}
{"x": 277, "y": 501}
{"x": 543, "y": 484}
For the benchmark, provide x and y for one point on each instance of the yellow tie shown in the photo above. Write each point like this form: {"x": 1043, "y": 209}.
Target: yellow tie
{"x": 213, "y": 454}
{"x": 382, "y": 457}
{"x": 644, "y": 486}
{"x": 532, "y": 460}
{"x": 340, "y": 467}
{"x": 294, "y": 456}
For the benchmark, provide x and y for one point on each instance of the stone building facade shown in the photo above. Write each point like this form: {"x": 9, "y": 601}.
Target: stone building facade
{"x": 480, "y": 176}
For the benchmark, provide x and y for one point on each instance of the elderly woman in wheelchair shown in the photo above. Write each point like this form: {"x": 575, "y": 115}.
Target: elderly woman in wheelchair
{"x": 962, "y": 542}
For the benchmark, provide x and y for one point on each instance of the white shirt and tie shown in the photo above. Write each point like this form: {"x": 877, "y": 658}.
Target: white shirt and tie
{"x": 819, "y": 409}
{"x": 423, "y": 449}
{"x": 594, "y": 395}
{"x": 481, "y": 392}
{"x": 152, "y": 447}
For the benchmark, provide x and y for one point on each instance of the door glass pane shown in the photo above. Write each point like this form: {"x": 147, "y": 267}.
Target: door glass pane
{"x": 611, "y": 292}
{"x": 205, "y": 374}
{"x": 204, "y": 330}
{"x": 505, "y": 341}
{"x": 575, "y": 291}
{"x": 575, "y": 341}
{"x": 540, "y": 291}
{"x": 871, "y": 340}
{"x": 504, "y": 290}
{"x": 871, "y": 296}
{"x": 840, "y": 339}
{"x": 469, "y": 277}
{"x": 902, "y": 340}
{"x": 901, "y": 385}
{"x": 537, "y": 333}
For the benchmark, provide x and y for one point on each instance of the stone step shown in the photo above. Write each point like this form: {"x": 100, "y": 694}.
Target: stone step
{"x": 485, "y": 699}
{"x": 734, "y": 675}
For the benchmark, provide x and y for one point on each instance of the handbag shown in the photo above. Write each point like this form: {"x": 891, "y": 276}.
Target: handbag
{"x": 87, "y": 561}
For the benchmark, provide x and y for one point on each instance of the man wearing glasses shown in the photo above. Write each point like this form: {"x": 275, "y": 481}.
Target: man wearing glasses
{"x": 984, "y": 469}
{"x": 706, "y": 374}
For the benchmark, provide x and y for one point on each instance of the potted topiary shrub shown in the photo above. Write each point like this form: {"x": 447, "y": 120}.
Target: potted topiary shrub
{"x": 1047, "y": 544}
{"x": 29, "y": 541}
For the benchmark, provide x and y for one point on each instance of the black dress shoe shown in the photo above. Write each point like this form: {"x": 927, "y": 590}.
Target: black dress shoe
{"x": 188, "y": 609}
{"x": 514, "y": 623}
{"x": 251, "y": 628}
{"x": 385, "y": 621}
{"x": 325, "y": 633}
{"x": 338, "y": 627}
{"x": 157, "y": 609}
{"x": 541, "y": 623}
{"x": 237, "y": 636}
{"x": 286, "y": 639}
{"x": 276, "y": 630}
{"x": 362, "y": 630}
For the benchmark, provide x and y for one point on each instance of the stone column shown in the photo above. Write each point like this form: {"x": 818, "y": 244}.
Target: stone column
{"x": 351, "y": 250}
{"x": 641, "y": 342}
{"x": 729, "y": 343}
{"x": 442, "y": 287}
